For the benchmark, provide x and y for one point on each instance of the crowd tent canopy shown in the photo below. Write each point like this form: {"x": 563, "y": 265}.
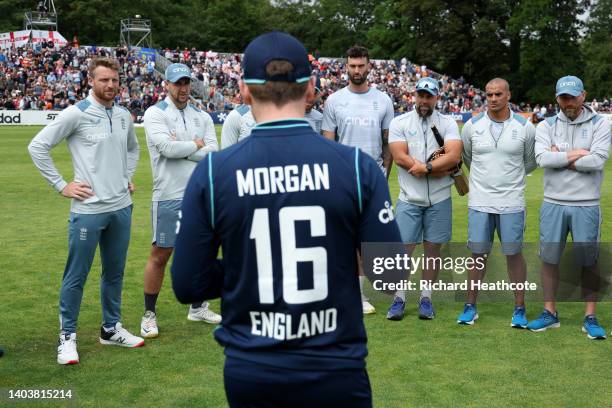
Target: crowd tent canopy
{"x": 24, "y": 37}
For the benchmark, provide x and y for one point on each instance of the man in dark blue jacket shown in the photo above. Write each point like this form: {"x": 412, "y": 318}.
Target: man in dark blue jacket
{"x": 289, "y": 208}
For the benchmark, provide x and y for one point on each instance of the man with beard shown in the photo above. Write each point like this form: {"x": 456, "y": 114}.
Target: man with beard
{"x": 498, "y": 147}
{"x": 101, "y": 139}
{"x": 572, "y": 147}
{"x": 359, "y": 116}
{"x": 179, "y": 135}
{"x": 424, "y": 208}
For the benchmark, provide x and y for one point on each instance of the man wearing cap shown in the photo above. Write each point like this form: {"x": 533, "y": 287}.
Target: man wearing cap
{"x": 498, "y": 148}
{"x": 572, "y": 147}
{"x": 359, "y": 116}
{"x": 104, "y": 149}
{"x": 179, "y": 135}
{"x": 424, "y": 207}
{"x": 289, "y": 209}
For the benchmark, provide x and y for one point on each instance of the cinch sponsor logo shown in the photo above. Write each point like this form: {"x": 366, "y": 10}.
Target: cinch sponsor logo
{"x": 564, "y": 84}
{"x": 385, "y": 215}
{"x": 180, "y": 69}
{"x": 360, "y": 121}
{"x": 96, "y": 137}
{"x": 10, "y": 119}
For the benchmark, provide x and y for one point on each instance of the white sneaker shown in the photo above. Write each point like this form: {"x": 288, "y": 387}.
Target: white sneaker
{"x": 67, "y": 349}
{"x": 203, "y": 314}
{"x": 148, "y": 325}
{"x": 368, "y": 308}
{"x": 119, "y": 337}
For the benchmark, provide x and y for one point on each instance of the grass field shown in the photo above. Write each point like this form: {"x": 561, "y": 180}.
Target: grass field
{"x": 411, "y": 363}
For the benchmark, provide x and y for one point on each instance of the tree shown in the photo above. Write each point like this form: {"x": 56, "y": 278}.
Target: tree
{"x": 229, "y": 25}
{"x": 549, "y": 31}
{"x": 597, "y": 49}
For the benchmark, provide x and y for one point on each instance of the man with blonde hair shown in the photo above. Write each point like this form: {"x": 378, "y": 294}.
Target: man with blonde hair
{"x": 101, "y": 139}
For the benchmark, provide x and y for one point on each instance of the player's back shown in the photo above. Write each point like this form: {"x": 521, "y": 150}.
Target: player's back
{"x": 289, "y": 227}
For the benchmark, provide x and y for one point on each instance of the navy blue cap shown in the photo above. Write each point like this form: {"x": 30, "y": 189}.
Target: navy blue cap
{"x": 174, "y": 72}
{"x": 275, "y": 46}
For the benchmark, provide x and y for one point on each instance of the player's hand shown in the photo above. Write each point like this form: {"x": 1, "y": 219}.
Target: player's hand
{"x": 173, "y": 135}
{"x": 576, "y": 154}
{"x": 199, "y": 142}
{"x": 78, "y": 190}
{"x": 131, "y": 188}
{"x": 554, "y": 149}
{"x": 418, "y": 169}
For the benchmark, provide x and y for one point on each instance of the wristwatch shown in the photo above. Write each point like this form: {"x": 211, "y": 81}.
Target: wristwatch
{"x": 429, "y": 168}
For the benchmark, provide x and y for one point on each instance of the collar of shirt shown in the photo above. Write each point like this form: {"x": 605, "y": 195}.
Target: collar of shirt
{"x": 282, "y": 124}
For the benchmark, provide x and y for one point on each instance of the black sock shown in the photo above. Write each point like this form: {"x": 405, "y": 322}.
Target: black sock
{"x": 197, "y": 305}
{"x": 150, "y": 301}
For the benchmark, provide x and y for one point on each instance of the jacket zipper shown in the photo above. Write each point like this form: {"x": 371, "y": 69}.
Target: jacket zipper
{"x": 425, "y": 161}
{"x": 183, "y": 116}
{"x": 110, "y": 118}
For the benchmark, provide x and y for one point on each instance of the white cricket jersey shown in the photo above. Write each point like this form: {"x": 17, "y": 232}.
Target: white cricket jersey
{"x": 315, "y": 119}
{"x": 498, "y": 166}
{"x": 174, "y": 155}
{"x": 358, "y": 119}
{"x": 237, "y": 126}
{"x": 416, "y": 132}
{"x": 104, "y": 151}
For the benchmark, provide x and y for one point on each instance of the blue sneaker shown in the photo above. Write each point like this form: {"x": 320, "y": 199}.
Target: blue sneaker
{"x": 592, "y": 328}
{"x": 546, "y": 320}
{"x": 426, "y": 310}
{"x": 519, "y": 320}
{"x": 396, "y": 311}
{"x": 469, "y": 315}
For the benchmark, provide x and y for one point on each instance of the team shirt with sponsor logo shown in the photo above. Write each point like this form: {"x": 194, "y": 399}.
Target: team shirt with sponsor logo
{"x": 358, "y": 119}
{"x": 237, "y": 126}
{"x": 170, "y": 133}
{"x": 289, "y": 208}
{"x": 104, "y": 151}
{"x": 315, "y": 119}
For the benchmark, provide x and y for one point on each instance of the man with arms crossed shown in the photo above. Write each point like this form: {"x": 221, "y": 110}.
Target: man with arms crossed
{"x": 104, "y": 149}
{"x": 424, "y": 207}
{"x": 498, "y": 148}
{"x": 359, "y": 116}
{"x": 572, "y": 147}
{"x": 289, "y": 208}
{"x": 178, "y": 136}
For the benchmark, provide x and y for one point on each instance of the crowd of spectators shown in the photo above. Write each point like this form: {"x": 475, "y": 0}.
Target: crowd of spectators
{"x": 37, "y": 77}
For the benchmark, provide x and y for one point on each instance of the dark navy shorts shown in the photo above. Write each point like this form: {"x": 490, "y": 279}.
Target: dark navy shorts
{"x": 250, "y": 384}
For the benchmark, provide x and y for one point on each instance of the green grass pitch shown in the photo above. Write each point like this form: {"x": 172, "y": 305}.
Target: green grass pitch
{"x": 411, "y": 363}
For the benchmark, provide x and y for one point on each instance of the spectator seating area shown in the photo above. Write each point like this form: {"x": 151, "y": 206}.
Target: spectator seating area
{"x": 51, "y": 79}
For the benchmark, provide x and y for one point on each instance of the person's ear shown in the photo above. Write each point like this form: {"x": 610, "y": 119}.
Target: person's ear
{"x": 246, "y": 94}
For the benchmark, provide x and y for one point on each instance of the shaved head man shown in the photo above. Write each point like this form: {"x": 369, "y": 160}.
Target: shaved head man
{"x": 498, "y": 147}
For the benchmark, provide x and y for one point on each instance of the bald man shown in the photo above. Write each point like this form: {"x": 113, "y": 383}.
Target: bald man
{"x": 498, "y": 148}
